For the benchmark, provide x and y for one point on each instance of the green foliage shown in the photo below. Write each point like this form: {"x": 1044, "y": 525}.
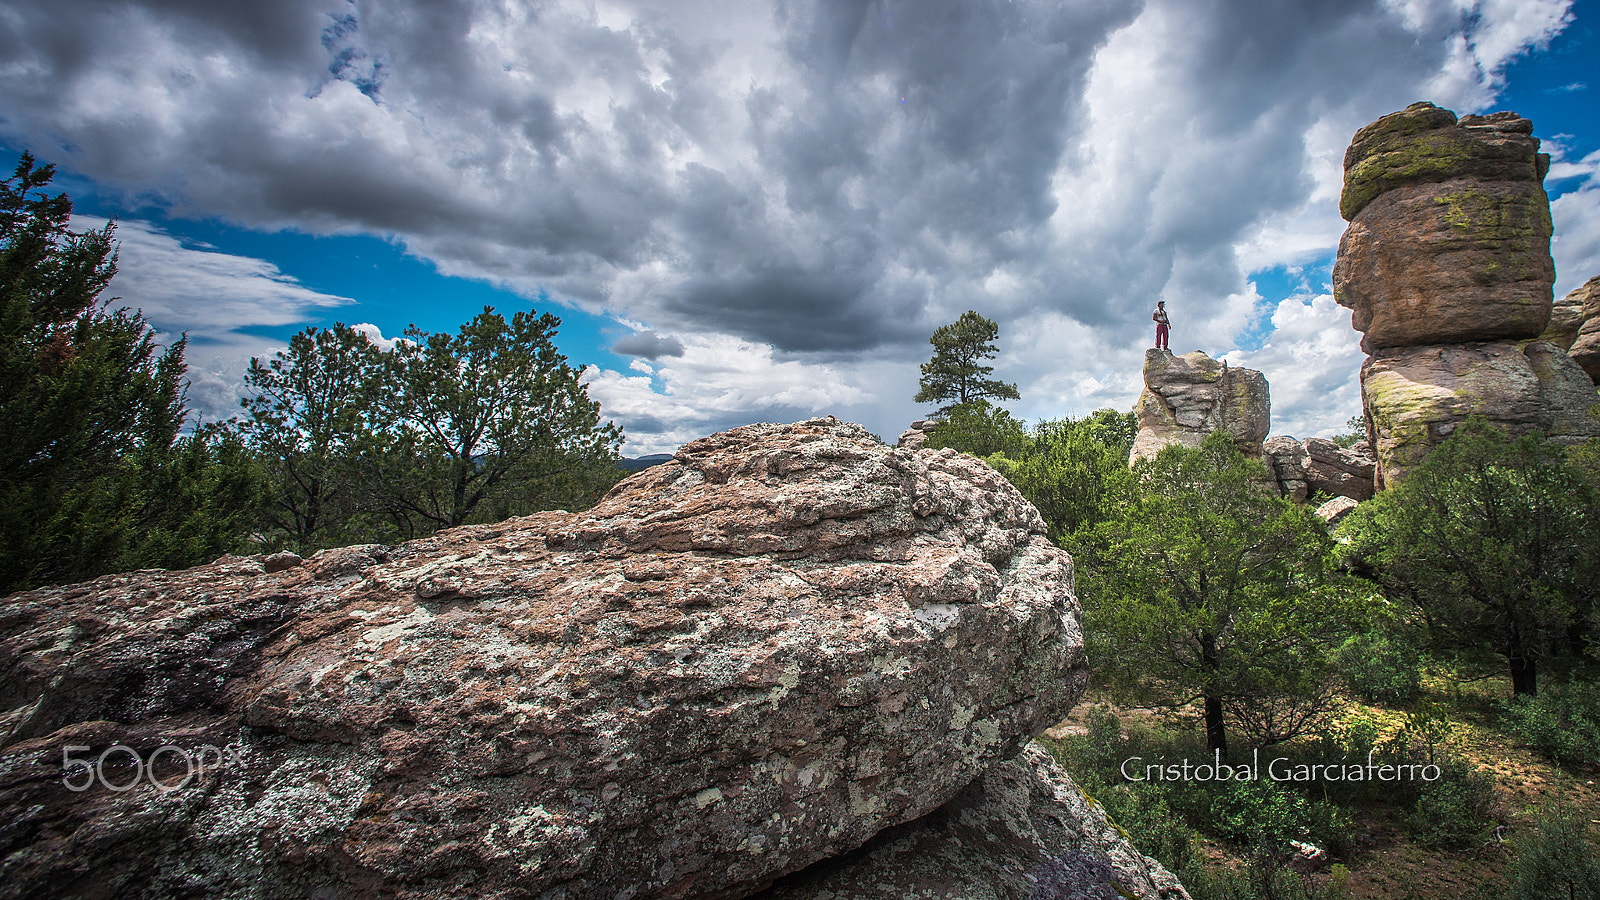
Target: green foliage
{"x": 979, "y": 428}
{"x": 1076, "y": 474}
{"x": 312, "y": 408}
{"x": 1562, "y": 722}
{"x": 1495, "y": 541}
{"x": 192, "y": 504}
{"x": 1355, "y": 432}
{"x": 491, "y": 419}
{"x": 1559, "y": 859}
{"x": 1380, "y": 668}
{"x": 1449, "y": 806}
{"x": 1164, "y": 818}
{"x": 442, "y": 430}
{"x": 955, "y": 373}
{"x": 81, "y": 388}
{"x": 1210, "y": 587}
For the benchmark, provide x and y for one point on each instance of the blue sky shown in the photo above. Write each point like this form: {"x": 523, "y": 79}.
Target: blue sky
{"x": 751, "y": 212}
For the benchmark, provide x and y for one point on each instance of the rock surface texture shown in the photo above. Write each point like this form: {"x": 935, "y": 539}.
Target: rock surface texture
{"x": 1319, "y": 466}
{"x": 1566, "y": 316}
{"x": 1023, "y": 830}
{"x": 1416, "y": 396}
{"x": 749, "y": 659}
{"x": 1187, "y": 397}
{"x": 1449, "y": 236}
{"x": 1585, "y": 346}
{"x": 1446, "y": 267}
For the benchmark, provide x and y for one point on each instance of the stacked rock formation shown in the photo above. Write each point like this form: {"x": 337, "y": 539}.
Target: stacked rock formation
{"x": 1446, "y": 267}
{"x": 1319, "y": 466}
{"x": 1188, "y": 397}
{"x": 1584, "y": 348}
{"x": 914, "y": 437}
{"x": 752, "y": 658}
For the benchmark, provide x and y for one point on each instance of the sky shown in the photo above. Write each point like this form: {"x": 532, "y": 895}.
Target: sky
{"x": 753, "y": 211}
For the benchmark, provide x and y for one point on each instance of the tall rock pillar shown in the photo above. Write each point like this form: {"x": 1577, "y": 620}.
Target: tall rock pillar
{"x": 1446, "y": 267}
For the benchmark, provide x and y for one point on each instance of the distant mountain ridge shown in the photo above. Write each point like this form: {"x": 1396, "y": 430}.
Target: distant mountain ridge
{"x": 640, "y": 463}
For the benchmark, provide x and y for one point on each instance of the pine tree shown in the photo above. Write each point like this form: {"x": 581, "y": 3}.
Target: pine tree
{"x": 955, "y": 372}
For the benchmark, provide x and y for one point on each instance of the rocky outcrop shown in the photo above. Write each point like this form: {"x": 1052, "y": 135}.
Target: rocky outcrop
{"x": 1319, "y": 466}
{"x": 1416, "y": 396}
{"x": 1446, "y": 267}
{"x": 1022, "y": 830}
{"x": 914, "y": 437}
{"x": 1566, "y": 317}
{"x": 1585, "y": 346}
{"x": 1449, "y": 236}
{"x": 749, "y": 659}
{"x": 1188, "y": 397}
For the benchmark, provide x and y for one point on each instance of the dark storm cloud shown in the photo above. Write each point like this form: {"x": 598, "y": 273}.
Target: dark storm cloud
{"x": 828, "y": 178}
{"x": 648, "y": 345}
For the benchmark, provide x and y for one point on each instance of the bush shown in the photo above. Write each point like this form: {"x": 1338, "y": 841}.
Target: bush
{"x": 1557, "y": 860}
{"x": 1380, "y": 669}
{"x": 1562, "y": 721}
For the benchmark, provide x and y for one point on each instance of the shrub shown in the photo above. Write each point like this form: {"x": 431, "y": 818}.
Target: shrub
{"x": 1557, "y": 860}
{"x": 1562, "y": 721}
{"x": 1380, "y": 669}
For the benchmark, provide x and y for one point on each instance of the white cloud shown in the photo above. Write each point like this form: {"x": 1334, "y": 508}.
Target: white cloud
{"x": 717, "y": 382}
{"x": 1312, "y": 364}
{"x": 211, "y": 296}
{"x": 801, "y": 190}
{"x": 1576, "y": 215}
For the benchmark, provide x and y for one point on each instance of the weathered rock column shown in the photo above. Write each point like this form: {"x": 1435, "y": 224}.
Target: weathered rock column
{"x": 1187, "y": 397}
{"x": 1446, "y": 266}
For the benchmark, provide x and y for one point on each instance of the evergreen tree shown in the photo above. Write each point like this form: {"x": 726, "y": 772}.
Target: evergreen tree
{"x": 309, "y": 413}
{"x": 490, "y": 422}
{"x": 1209, "y": 587}
{"x": 82, "y": 388}
{"x": 955, "y": 373}
{"x": 1495, "y": 540}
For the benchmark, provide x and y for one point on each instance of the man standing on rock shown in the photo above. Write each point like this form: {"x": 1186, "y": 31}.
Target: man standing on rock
{"x": 1162, "y": 326}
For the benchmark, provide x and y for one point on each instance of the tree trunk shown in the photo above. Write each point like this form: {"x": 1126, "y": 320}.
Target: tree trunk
{"x": 1216, "y": 731}
{"x": 1524, "y": 673}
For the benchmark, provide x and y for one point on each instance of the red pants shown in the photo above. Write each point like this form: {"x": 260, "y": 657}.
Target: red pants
{"x": 1161, "y": 336}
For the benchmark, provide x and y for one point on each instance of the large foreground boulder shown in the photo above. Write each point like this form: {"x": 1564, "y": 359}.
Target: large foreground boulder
{"x": 1023, "y": 830}
{"x": 749, "y": 659}
{"x": 1187, "y": 397}
{"x": 1449, "y": 236}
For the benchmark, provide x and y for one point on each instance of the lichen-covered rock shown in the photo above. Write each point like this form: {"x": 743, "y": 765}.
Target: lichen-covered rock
{"x": 1416, "y": 396}
{"x": 914, "y": 437}
{"x": 1319, "y": 466}
{"x": 1449, "y": 236}
{"x": 1287, "y": 458}
{"x": 740, "y": 662}
{"x": 1023, "y": 830}
{"x": 1188, "y": 397}
{"x": 1585, "y": 346}
{"x": 1566, "y": 316}
{"x": 1334, "y": 511}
